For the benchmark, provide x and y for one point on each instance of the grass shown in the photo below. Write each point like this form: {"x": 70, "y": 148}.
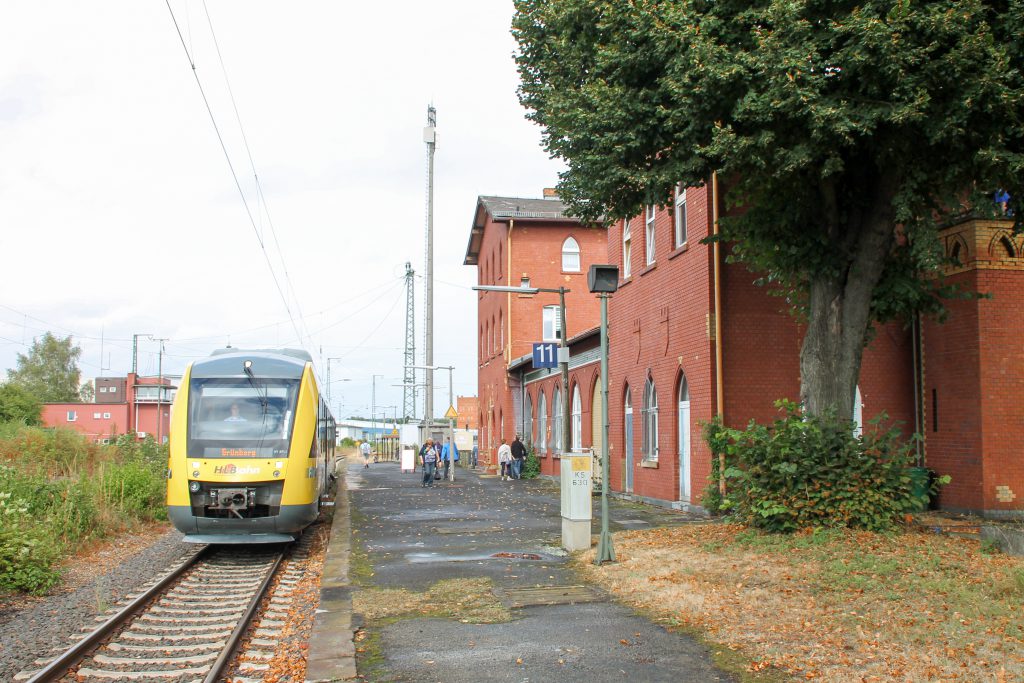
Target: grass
{"x": 835, "y": 606}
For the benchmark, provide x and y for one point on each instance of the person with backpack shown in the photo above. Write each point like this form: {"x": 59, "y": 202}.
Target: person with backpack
{"x": 449, "y": 454}
{"x": 518, "y": 458}
{"x": 505, "y": 460}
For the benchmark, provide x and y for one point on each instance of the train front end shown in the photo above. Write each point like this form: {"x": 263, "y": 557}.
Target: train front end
{"x": 243, "y": 463}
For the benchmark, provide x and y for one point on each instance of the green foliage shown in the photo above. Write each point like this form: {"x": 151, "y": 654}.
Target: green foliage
{"x": 57, "y": 491}
{"x": 808, "y": 472}
{"x": 86, "y": 392}
{"x": 17, "y": 404}
{"x": 531, "y": 466}
{"x": 348, "y": 442}
{"x": 843, "y": 133}
{"x": 50, "y": 370}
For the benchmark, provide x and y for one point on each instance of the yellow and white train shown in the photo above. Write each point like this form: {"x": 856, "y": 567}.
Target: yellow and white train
{"x": 251, "y": 448}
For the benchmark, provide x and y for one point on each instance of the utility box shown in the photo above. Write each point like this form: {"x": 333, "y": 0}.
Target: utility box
{"x": 576, "y": 506}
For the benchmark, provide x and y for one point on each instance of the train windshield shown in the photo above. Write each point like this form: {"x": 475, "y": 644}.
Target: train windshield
{"x": 236, "y": 418}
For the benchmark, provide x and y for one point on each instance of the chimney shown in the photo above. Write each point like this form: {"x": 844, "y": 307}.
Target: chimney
{"x": 550, "y": 193}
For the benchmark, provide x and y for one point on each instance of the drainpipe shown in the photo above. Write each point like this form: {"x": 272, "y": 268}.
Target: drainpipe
{"x": 915, "y": 335}
{"x": 719, "y": 389}
{"x": 508, "y": 298}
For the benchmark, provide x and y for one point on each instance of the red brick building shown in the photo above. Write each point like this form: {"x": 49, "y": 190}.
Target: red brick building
{"x": 525, "y": 242}
{"x": 468, "y": 408}
{"x": 674, "y": 364}
{"x": 121, "y": 405}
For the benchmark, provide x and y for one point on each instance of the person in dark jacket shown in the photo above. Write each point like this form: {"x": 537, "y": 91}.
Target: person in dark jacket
{"x": 518, "y": 457}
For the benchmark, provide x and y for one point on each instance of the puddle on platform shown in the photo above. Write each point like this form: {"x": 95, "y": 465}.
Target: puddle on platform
{"x": 421, "y": 558}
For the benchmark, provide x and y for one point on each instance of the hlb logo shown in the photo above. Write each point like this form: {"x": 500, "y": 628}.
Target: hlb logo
{"x": 231, "y": 468}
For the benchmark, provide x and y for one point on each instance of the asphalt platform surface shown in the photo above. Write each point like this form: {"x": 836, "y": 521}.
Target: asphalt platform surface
{"x": 416, "y": 536}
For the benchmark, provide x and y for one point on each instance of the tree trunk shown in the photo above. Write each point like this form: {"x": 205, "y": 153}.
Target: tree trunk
{"x": 839, "y": 309}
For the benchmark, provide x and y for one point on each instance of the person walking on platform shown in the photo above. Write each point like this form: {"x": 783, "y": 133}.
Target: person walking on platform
{"x": 449, "y": 454}
{"x": 428, "y": 458}
{"x": 505, "y": 460}
{"x": 518, "y": 457}
{"x": 365, "y": 450}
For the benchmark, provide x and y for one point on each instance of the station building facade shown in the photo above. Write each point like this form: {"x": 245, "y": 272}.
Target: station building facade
{"x": 674, "y": 364}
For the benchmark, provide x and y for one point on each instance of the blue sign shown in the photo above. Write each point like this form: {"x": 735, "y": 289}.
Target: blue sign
{"x": 545, "y": 355}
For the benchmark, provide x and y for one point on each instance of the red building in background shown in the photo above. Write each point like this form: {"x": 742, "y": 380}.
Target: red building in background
{"x": 121, "y": 405}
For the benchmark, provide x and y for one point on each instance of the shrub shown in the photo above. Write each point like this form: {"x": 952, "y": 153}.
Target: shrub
{"x": 26, "y": 554}
{"x": 531, "y": 466}
{"x": 132, "y": 488}
{"x": 807, "y": 471}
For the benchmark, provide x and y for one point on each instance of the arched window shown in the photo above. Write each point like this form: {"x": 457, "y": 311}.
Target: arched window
{"x": 649, "y": 418}
{"x": 528, "y": 420}
{"x": 499, "y": 261}
{"x": 577, "y": 420}
{"x": 556, "y": 421}
{"x": 571, "y": 256}
{"x": 501, "y": 331}
{"x": 627, "y": 439}
{"x": 683, "y": 434}
{"x": 542, "y": 424}
{"x": 494, "y": 335}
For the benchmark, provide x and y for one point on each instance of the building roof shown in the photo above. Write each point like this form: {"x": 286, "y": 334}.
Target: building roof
{"x": 501, "y": 209}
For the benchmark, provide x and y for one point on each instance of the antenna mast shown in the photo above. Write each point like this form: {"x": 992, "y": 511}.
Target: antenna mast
{"x": 409, "y": 378}
{"x": 429, "y": 137}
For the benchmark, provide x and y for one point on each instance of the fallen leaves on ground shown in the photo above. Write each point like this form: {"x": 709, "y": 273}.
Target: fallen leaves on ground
{"x": 469, "y": 600}
{"x": 851, "y": 606}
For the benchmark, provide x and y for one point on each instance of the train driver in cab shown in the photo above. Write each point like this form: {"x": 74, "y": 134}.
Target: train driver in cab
{"x": 234, "y": 416}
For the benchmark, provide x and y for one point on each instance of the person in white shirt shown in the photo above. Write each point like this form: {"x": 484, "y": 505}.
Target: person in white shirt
{"x": 505, "y": 460}
{"x": 365, "y": 449}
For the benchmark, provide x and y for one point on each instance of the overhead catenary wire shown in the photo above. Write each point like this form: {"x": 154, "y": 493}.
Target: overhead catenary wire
{"x": 234, "y": 174}
{"x": 255, "y": 175}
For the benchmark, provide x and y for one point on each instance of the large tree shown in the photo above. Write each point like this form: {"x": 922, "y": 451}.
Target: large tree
{"x": 844, "y": 132}
{"x": 50, "y": 369}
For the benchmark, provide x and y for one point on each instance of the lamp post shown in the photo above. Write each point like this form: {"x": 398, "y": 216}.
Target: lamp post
{"x": 604, "y": 280}
{"x": 373, "y": 404}
{"x": 451, "y": 424}
{"x": 563, "y": 343}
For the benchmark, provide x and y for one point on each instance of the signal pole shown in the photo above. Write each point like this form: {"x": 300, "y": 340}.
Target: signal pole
{"x": 429, "y": 137}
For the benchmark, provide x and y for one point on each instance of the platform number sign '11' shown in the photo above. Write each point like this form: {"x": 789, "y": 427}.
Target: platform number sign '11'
{"x": 545, "y": 355}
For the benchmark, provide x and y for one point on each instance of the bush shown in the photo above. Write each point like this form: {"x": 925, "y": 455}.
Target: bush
{"x": 531, "y": 466}
{"x": 806, "y": 471}
{"x": 60, "y": 490}
{"x": 27, "y": 554}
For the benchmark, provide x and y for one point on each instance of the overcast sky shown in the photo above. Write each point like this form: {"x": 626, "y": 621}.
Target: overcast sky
{"x": 119, "y": 214}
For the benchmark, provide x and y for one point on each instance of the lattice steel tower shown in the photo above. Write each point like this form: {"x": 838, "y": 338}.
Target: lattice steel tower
{"x": 409, "y": 377}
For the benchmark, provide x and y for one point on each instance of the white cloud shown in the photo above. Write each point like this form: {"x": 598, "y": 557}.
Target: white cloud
{"x": 118, "y": 214}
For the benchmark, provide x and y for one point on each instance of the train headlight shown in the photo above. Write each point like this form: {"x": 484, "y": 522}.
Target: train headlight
{"x": 195, "y": 473}
{"x": 277, "y": 473}
{"x": 194, "y": 486}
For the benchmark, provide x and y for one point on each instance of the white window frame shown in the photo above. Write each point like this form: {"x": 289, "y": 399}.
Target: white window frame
{"x": 680, "y": 216}
{"x": 103, "y": 390}
{"x": 649, "y": 422}
{"x": 72, "y": 415}
{"x": 570, "y": 255}
{"x": 627, "y": 249}
{"x": 649, "y": 216}
{"x": 556, "y": 420}
{"x": 577, "y": 421}
{"x": 106, "y": 416}
{"x": 542, "y": 424}
{"x": 551, "y": 326}
{"x": 528, "y": 420}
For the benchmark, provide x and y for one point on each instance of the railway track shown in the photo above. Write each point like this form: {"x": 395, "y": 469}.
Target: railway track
{"x": 189, "y": 624}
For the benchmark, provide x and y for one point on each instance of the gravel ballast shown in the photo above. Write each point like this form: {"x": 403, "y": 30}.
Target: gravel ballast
{"x": 34, "y": 628}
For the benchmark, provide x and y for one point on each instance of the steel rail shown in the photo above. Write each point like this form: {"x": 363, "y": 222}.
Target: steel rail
{"x": 243, "y": 625}
{"x": 57, "y": 669}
